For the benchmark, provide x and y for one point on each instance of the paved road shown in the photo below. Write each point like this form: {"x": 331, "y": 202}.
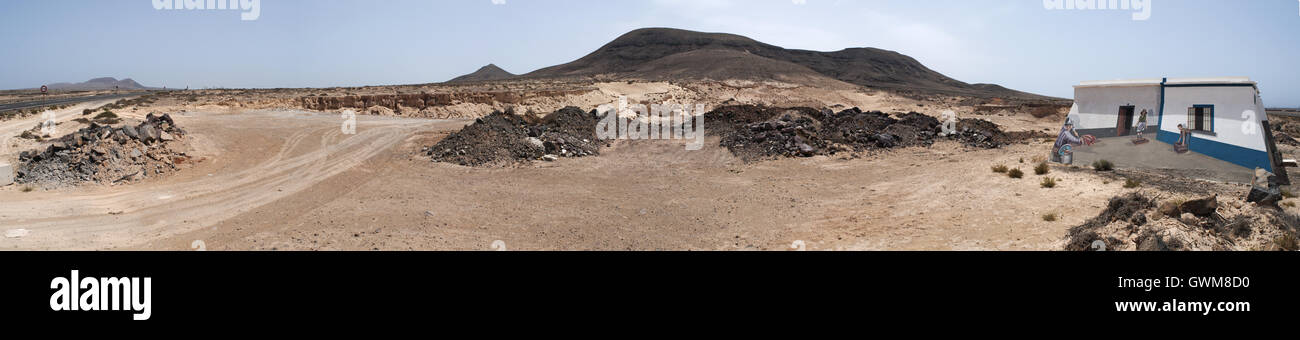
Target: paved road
{"x": 63, "y": 101}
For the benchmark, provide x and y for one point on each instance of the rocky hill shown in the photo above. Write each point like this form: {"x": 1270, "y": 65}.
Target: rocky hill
{"x": 666, "y": 54}
{"x": 106, "y": 83}
{"x": 487, "y": 73}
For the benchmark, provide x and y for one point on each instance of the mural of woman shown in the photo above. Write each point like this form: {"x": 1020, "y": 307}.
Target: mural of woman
{"x": 1061, "y": 151}
{"x": 1141, "y": 128}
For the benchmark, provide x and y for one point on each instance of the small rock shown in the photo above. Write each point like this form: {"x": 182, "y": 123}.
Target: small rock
{"x": 536, "y": 143}
{"x": 550, "y": 158}
{"x": 806, "y": 150}
{"x": 131, "y": 132}
{"x": 1169, "y": 209}
{"x": 1258, "y": 195}
{"x": 1201, "y": 207}
{"x": 16, "y": 233}
{"x": 148, "y": 133}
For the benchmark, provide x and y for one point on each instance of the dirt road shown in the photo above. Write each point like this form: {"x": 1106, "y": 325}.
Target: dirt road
{"x": 248, "y": 160}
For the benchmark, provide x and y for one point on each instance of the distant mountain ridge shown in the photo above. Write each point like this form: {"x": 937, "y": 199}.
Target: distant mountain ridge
{"x": 666, "y": 54}
{"x": 105, "y": 83}
{"x": 486, "y": 73}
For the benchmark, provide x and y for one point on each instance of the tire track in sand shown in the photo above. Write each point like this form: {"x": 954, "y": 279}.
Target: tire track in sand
{"x": 74, "y": 221}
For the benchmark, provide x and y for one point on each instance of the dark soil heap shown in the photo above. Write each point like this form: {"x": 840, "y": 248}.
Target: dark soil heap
{"x": 105, "y": 154}
{"x": 1285, "y": 129}
{"x": 755, "y": 132}
{"x": 750, "y": 132}
{"x": 504, "y": 138}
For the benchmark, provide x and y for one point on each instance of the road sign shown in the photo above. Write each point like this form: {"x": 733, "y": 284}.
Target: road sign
{"x": 44, "y": 89}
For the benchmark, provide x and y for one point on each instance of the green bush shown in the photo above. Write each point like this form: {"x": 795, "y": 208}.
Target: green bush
{"x": 1042, "y": 169}
{"x": 1016, "y": 173}
{"x": 1001, "y": 169}
{"x": 1051, "y": 217}
{"x": 106, "y": 115}
{"x": 1130, "y": 183}
{"x": 1049, "y": 182}
{"x": 1103, "y": 165}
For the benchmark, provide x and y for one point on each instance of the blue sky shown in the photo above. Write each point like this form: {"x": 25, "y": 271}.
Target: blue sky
{"x": 319, "y": 43}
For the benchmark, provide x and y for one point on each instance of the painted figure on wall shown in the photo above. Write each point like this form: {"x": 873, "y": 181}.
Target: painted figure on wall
{"x": 1141, "y": 128}
{"x": 1184, "y": 139}
{"x": 1062, "y": 151}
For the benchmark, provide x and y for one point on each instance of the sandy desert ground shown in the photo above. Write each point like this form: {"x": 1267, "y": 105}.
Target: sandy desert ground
{"x": 288, "y": 179}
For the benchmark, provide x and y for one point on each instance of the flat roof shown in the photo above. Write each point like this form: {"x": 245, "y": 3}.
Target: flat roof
{"x": 1170, "y": 81}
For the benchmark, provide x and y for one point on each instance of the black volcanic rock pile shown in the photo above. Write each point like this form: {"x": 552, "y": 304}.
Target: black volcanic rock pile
{"x": 106, "y": 154}
{"x": 504, "y": 138}
{"x": 805, "y": 132}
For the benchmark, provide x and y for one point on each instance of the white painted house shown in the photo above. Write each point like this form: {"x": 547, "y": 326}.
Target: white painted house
{"x": 1225, "y": 116}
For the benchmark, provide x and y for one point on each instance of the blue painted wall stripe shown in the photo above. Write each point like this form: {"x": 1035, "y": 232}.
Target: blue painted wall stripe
{"x": 1248, "y": 158}
{"x": 1161, "y": 121}
{"x": 1210, "y": 85}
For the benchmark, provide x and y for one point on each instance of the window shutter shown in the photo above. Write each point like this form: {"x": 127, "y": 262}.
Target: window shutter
{"x": 1208, "y": 115}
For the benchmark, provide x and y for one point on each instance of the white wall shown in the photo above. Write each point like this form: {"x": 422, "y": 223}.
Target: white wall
{"x": 1099, "y": 106}
{"x": 1229, "y": 105}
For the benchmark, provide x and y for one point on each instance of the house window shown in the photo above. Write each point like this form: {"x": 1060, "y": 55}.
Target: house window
{"x": 1201, "y": 118}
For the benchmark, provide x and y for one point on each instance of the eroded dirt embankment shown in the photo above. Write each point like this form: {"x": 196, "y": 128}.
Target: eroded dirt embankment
{"x": 421, "y": 101}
